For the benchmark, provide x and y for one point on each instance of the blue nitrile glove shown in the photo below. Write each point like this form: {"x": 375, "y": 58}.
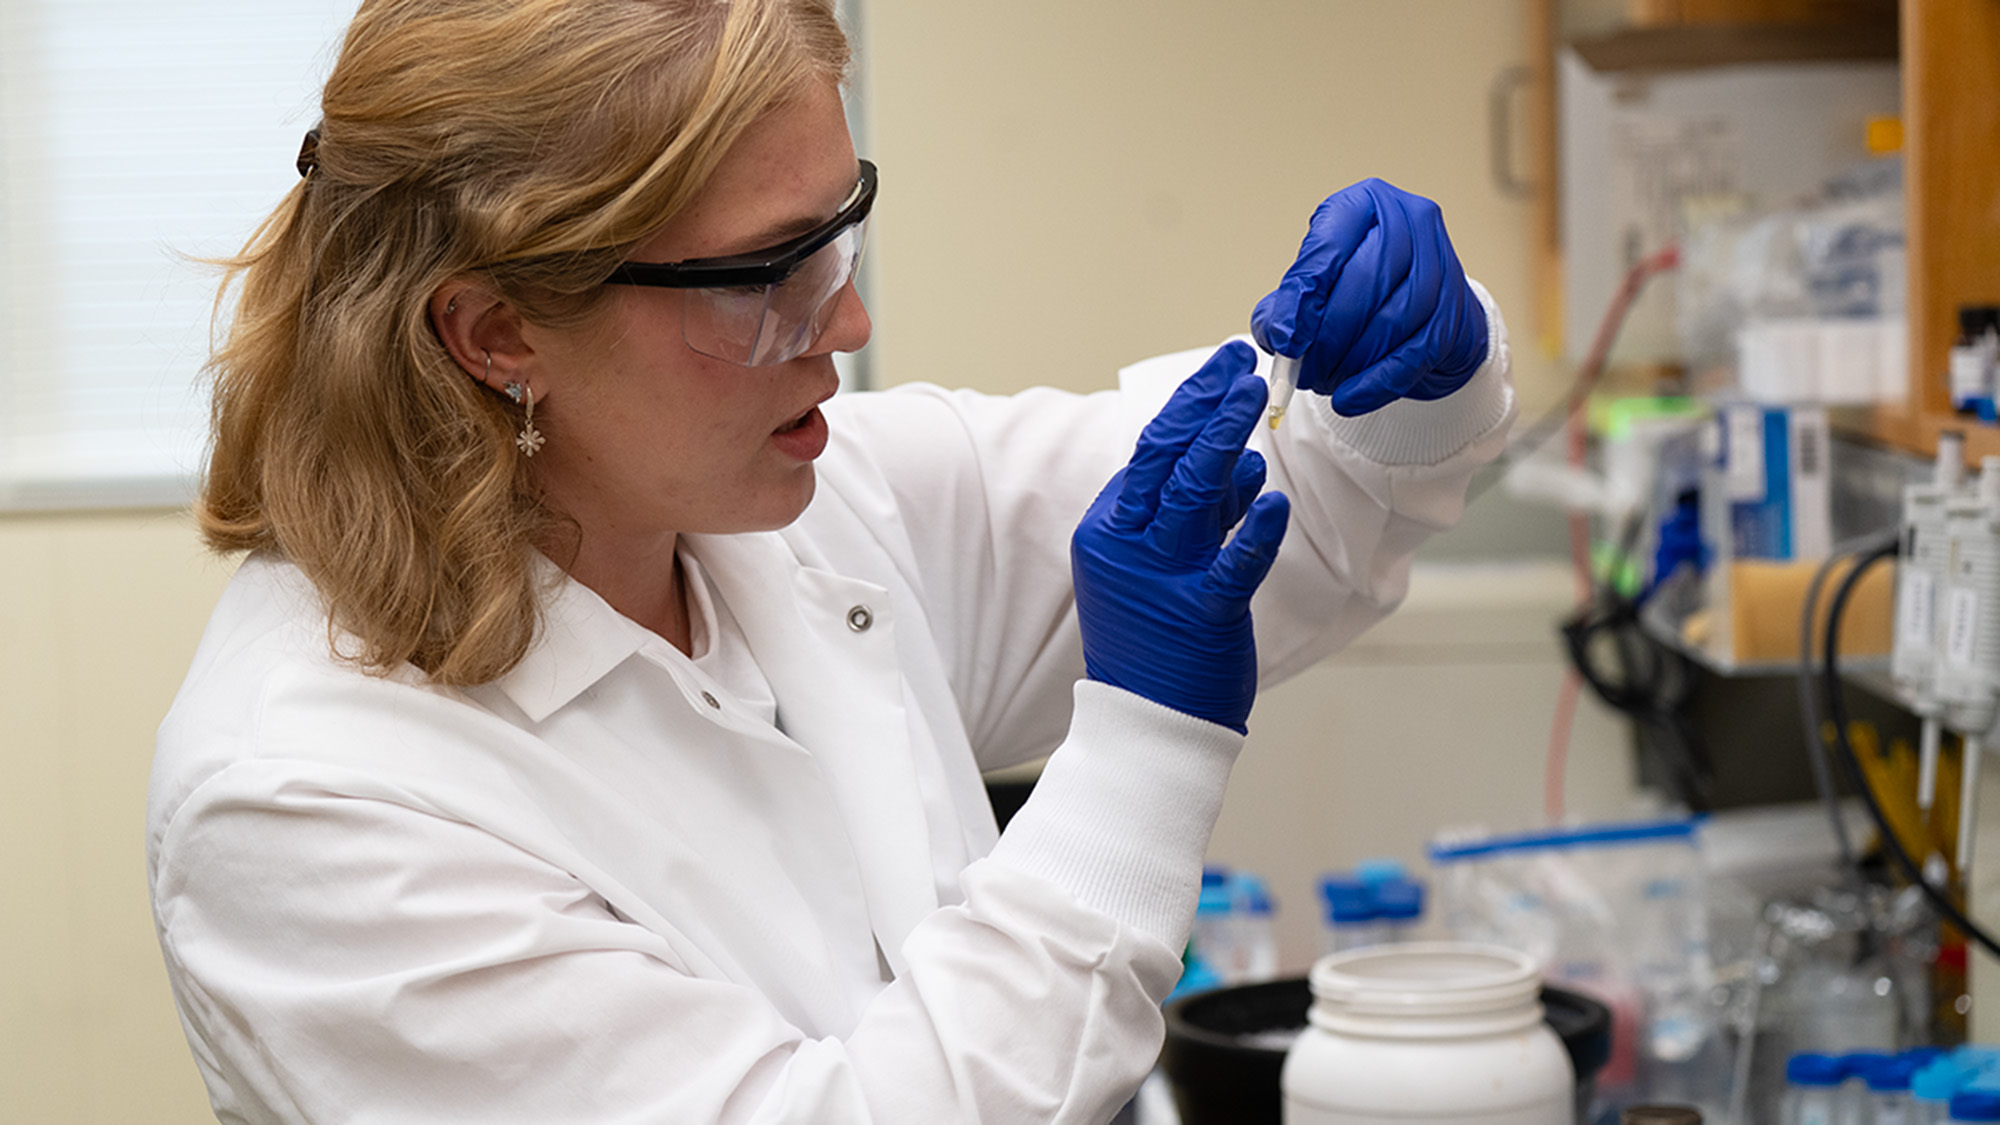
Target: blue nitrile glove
{"x": 1164, "y": 604}
{"x": 1376, "y": 304}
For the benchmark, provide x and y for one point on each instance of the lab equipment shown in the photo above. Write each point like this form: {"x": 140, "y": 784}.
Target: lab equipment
{"x": 1256, "y": 932}
{"x": 1771, "y": 481}
{"x": 766, "y": 306}
{"x": 1812, "y": 1090}
{"x": 1931, "y": 1088}
{"x": 1376, "y": 305}
{"x": 1375, "y": 872}
{"x": 1888, "y": 1083}
{"x": 1919, "y": 574}
{"x": 1968, "y": 678}
{"x": 1399, "y": 907}
{"x": 1349, "y": 913}
{"x": 1975, "y": 1105}
{"x": 1619, "y": 911}
{"x": 1968, "y": 667}
{"x": 1225, "y": 1049}
{"x": 1660, "y": 1115}
{"x": 1164, "y": 603}
{"x": 1213, "y": 941}
{"x": 1436, "y": 1033}
{"x": 1973, "y": 357}
{"x": 1284, "y": 381}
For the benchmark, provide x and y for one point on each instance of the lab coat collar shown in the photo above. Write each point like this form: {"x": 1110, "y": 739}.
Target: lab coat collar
{"x": 581, "y": 640}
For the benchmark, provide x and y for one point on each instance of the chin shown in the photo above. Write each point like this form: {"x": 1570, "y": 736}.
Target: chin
{"x": 774, "y": 510}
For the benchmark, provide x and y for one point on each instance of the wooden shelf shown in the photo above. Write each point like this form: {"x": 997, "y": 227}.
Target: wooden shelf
{"x": 1699, "y": 46}
{"x": 1916, "y": 431}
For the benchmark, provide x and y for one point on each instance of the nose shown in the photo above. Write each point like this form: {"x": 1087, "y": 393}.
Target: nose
{"x": 850, "y": 327}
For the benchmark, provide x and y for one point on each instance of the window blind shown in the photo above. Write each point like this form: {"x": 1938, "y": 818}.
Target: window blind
{"x": 136, "y": 136}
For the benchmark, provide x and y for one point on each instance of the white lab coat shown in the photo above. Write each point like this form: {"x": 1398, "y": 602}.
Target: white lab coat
{"x": 608, "y": 888}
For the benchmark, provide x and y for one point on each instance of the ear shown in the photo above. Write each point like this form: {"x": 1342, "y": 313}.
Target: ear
{"x": 481, "y": 332}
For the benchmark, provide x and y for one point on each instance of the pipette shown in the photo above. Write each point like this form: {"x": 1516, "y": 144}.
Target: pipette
{"x": 1284, "y": 380}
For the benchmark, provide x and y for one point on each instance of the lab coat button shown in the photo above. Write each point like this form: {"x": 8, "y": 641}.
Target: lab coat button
{"x": 712, "y": 702}
{"x": 860, "y": 618}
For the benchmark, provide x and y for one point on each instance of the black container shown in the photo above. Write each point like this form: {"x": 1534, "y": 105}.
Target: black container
{"x": 1223, "y": 1061}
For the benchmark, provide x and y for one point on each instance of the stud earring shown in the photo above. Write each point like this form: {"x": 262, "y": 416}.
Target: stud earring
{"x": 530, "y": 439}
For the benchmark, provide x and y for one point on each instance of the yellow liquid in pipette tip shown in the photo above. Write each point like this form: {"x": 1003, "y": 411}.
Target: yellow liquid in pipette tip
{"x": 1284, "y": 380}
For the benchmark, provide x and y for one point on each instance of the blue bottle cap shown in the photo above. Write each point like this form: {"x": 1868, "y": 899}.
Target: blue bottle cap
{"x": 1936, "y": 1081}
{"x": 1216, "y": 896}
{"x": 1890, "y": 1075}
{"x": 1808, "y": 1069}
{"x": 1975, "y": 1105}
{"x": 1195, "y": 977}
{"x": 1376, "y": 871}
{"x": 1860, "y": 1063}
{"x": 1255, "y": 895}
{"x": 1347, "y": 899}
{"x": 1399, "y": 900}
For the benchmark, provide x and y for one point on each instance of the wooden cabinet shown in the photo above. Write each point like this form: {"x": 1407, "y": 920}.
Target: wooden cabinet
{"x": 1950, "y": 54}
{"x": 1951, "y": 139}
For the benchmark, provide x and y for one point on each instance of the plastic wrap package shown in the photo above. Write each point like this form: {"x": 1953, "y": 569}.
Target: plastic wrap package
{"x": 1616, "y": 911}
{"x": 1803, "y": 304}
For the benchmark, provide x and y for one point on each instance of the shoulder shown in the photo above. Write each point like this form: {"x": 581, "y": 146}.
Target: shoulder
{"x": 266, "y": 686}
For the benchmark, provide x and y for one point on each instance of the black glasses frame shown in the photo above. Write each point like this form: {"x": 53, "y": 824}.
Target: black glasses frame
{"x": 758, "y": 267}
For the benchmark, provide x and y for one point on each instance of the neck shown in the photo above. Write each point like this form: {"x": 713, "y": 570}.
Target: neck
{"x": 642, "y": 581}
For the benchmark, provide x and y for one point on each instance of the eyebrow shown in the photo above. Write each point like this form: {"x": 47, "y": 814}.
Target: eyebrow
{"x": 781, "y": 231}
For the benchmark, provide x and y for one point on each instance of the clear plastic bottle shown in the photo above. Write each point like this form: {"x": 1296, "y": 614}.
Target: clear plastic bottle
{"x": 1888, "y": 1085}
{"x": 1349, "y": 914}
{"x": 1256, "y": 929}
{"x": 1854, "y": 1092}
{"x": 1215, "y": 925}
{"x": 1812, "y": 1090}
{"x": 1972, "y": 358}
{"x": 1931, "y": 1089}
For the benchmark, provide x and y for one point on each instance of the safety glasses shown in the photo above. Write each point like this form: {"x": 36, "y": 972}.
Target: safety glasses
{"x": 770, "y": 305}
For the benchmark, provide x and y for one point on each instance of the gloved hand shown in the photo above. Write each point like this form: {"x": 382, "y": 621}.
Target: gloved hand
{"x": 1164, "y": 604}
{"x": 1376, "y": 304}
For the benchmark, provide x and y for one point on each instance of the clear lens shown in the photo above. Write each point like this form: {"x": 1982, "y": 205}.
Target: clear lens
{"x": 761, "y": 325}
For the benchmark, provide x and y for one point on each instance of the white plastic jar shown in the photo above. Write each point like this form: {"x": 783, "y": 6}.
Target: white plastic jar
{"x": 1429, "y": 1033}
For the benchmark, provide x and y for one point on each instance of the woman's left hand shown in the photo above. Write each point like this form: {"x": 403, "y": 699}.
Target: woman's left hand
{"x": 1376, "y": 304}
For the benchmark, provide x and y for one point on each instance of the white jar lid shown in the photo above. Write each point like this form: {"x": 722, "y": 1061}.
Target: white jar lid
{"x": 1426, "y": 989}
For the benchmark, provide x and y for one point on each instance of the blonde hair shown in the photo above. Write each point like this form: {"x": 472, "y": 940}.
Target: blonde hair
{"x": 526, "y": 144}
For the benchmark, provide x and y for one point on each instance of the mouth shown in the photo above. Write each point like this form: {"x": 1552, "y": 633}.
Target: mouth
{"x": 799, "y": 422}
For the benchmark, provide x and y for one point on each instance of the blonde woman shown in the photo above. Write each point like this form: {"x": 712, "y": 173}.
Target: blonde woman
{"x": 593, "y": 731}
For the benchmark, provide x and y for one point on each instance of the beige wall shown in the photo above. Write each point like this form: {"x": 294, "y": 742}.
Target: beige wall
{"x": 100, "y": 618}
{"x": 1067, "y": 187}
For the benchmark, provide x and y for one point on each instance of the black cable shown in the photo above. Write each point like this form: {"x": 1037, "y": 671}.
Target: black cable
{"x": 1816, "y": 755}
{"x": 1836, "y": 706}
{"x": 1652, "y": 683}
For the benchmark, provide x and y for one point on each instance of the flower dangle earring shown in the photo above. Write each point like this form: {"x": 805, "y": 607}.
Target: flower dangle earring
{"x": 530, "y": 439}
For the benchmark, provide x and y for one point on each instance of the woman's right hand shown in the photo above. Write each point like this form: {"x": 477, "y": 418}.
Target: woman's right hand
{"x": 1164, "y": 603}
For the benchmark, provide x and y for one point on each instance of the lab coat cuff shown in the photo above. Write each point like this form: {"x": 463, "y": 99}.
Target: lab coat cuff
{"x": 1123, "y": 811}
{"x": 1413, "y": 432}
